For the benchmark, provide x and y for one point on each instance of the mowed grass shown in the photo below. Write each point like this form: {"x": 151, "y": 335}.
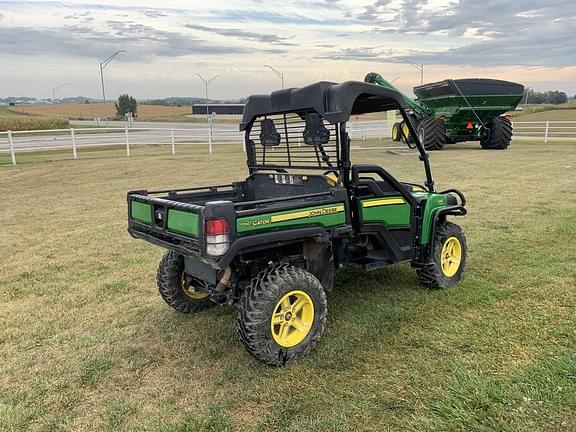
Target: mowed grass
{"x": 564, "y": 114}
{"x": 87, "y": 343}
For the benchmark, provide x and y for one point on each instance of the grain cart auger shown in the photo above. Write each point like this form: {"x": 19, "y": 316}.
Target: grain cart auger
{"x": 452, "y": 111}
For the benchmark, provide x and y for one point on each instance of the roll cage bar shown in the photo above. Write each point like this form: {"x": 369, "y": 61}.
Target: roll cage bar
{"x": 335, "y": 103}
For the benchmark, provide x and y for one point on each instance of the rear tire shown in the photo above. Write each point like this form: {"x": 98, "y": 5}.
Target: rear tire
{"x": 432, "y": 133}
{"x": 281, "y": 315}
{"x": 500, "y": 134}
{"x": 176, "y": 289}
{"x": 448, "y": 258}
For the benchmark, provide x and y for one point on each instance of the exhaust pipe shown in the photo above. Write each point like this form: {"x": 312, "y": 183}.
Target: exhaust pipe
{"x": 224, "y": 280}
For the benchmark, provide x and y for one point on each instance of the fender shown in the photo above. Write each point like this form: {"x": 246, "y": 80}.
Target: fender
{"x": 439, "y": 215}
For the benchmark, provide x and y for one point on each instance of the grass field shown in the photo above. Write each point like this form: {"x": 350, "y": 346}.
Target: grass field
{"x": 92, "y": 110}
{"x": 551, "y": 115}
{"x": 95, "y": 110}
{"x": 87, "y": 344}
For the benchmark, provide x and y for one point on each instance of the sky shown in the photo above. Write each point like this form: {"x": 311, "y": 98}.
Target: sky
{"x": 46, "y": 43}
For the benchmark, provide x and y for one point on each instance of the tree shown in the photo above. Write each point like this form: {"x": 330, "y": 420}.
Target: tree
{"x": 126, "y": 104}
{"x": 549, "y": 97}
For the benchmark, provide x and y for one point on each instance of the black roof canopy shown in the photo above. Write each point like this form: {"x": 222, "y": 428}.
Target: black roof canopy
{"x": 335, "y": 102}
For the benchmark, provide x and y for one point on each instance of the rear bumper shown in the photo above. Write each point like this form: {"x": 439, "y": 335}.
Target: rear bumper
{"x": 184, "y": 246}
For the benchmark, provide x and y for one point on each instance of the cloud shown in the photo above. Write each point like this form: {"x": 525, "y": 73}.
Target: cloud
{"x": 242, "y": 34}
{"x": 486, "y": 33}
{"x": 154, "y": 13}
{"x": 357, "y": 54}
{"x": 142, "y": 43}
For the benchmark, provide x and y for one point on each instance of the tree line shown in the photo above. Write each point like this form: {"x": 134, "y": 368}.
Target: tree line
{"x": 554, "y": 97}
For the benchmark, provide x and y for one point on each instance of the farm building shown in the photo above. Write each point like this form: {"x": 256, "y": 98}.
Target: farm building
{"x": 237, "y": 109}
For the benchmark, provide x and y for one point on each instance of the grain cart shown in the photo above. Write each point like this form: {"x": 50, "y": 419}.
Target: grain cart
{"x": 270, "y": 244}
{"x": 452, "y": 111}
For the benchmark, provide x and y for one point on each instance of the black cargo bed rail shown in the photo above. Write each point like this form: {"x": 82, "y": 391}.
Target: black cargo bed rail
{"x": 167, "y": 203}
{"x": 191, "y": 189}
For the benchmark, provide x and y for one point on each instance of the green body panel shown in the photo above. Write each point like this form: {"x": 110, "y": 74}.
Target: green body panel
{"x": 433, "y": 203}
{"x": 141, "y": 212}
{"x": 396, "y": 215}
{"x": 457, "y": 113}
{"x": 183, "y": 222}
{"x": 324, "y": 216}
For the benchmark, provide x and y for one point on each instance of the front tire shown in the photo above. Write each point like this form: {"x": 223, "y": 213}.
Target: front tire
{"x": 448, "y": 258}
{"x": 176, "y": 288}
{"x": 282, "y": 315}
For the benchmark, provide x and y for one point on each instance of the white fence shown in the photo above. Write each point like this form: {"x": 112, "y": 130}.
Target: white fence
{"x": 74, "y": 140}
{"x": 546, "y": 130}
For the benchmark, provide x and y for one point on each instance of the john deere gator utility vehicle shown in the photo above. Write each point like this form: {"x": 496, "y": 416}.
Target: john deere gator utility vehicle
{"x": 452, "y": 111}
{"x": 270, "y": 244}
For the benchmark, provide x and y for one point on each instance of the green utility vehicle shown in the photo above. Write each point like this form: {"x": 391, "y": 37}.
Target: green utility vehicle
{"x": 452, "y": 111}
{"x": 270, "y": 244}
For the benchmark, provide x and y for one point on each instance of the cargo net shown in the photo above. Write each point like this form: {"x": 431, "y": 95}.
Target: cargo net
{"x": 302, "y": 141}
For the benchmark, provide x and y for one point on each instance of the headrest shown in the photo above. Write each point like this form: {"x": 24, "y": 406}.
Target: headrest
{"x": 315, "y": 133}
{"x": 269, "y": 136}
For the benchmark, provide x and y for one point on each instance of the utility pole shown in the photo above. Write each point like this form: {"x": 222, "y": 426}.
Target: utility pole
{"x": 103, "y": 65}
{"x": 206, "y": 83}
{"x": 57, "y": 88}
{"x": 277, "y": 72}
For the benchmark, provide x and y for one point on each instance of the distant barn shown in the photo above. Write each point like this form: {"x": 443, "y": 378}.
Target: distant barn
{"x": 236, "y": 109}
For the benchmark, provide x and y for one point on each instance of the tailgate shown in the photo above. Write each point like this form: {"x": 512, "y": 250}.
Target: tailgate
{"x": 170, "y": 224}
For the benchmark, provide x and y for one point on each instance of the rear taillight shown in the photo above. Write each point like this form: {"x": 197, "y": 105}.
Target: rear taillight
{"x": 217, "y": 236}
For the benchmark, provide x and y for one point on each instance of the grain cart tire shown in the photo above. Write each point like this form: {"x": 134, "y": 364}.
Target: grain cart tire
{"x": 281, "y": 315}
{"x": 432, "y": 133}
{"x": 448, "y": 258}
{"x": 396, "y": 134}
{"x": 500, "y": 134}
{"x": 176, "y": 288}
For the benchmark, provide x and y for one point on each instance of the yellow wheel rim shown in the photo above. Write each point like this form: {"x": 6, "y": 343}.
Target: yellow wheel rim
{"x": 189, "y": 290}
{"x": 292, "y": 318}
{"x": 451, "y": 256}
{"x": 406, "y": 130}
{"x": 395, "y": 132}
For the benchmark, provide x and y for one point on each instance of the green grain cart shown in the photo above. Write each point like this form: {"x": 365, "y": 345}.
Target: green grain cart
{"x": 452, "y": 111}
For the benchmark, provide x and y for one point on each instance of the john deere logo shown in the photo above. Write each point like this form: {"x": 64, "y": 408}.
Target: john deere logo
{"x": 256, "y": 222}
{"x": 324, "y": 211}
{"x": 285, "y": 217}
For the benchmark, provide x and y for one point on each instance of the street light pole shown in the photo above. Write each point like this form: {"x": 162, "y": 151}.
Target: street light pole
{"x": 103, "y": 65}
{"x": 526, "y": 99}
{"x": 57, "y": 88}
{"x": 206, "y": 83}
{"x": 277, "y": 72}
{"x": 419, "y": 67}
